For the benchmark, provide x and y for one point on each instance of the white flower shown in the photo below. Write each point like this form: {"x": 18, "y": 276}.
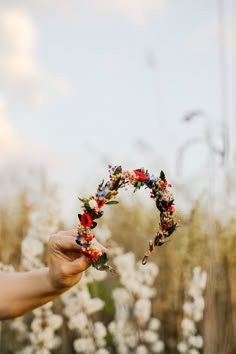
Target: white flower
{"x": 182, "y": 347}
{"x": 6, "y": 267}
{"x": 19, "y": 325}
{"x": 102, "y": 351}
{"x": 132, "y": 340}
{"x": 93, "y": 275}
{"x": 193, "y": 351}
{"x": 84, "y": 345}
{"x": 45, "y": 336}
{"x": 99, "y": 330}
{"x": 203, "y": 280}
{"x": 122, "y": 296}
{"x": 112, "y": 327}
{"x": 154, "y": 324}
{"x": 196, "y": 341}
{"x": 79, "y": 321}
{"x": 54, "y": 321}
{"x": 103, "y": 234}
{"x": 142, "y": 311}
{"x": 31, "y": 247}
{"x": 141, "y": 349}
{"x": 188, "y": 327}
{"x": 100, "y": 342}
{"x": 43, "y": 351}
{"x": 150, "y": 337}
{"x": 125, "y": 262}
{"x": 93, "y": 305}
{"x": 199, "y": 303}
{"x": 148, "y": 273}
{"x": 36, "y": 324}
{"x": 188, "y": 308}
{"x": 158, "y": 347}
{"x": 93, "y": 204}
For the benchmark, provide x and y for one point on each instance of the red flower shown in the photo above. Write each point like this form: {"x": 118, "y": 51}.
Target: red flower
{"x": 141, "y": 176}
{"x": 88, "y": 238}
{"x": 100, "y": 203}
{"x": 95, "y": 256}
{"x": 86, "y": 220}
{"x": 171, "y": 208}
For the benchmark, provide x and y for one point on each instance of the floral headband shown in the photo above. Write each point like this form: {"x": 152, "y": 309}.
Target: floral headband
{"x": 106, "y": 194}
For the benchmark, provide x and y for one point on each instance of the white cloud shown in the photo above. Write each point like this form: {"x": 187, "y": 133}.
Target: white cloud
{"x": 20, "y": 72}
{"x": 17, "y": 150}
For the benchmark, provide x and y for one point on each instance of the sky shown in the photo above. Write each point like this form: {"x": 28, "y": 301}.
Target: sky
{"x": 84, "y": 84}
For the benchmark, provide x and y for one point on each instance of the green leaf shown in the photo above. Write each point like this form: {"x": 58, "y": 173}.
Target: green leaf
{"x": 162, "y": 176}
{"x": 83, "y": 200}
{"x": 86, "y": 204}
{"x": 111, "y": 202}
{"x": 101, "y": 184}
{"x": 102, "y": 259}
{"x": 94, "y": 224}
{"x": 117, "y": 170}
{"x": 171, "y": 229}
{"x": 116, "y": 184}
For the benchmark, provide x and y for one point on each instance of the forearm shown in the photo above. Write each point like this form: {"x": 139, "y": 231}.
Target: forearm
{"x": 23, "y": 292}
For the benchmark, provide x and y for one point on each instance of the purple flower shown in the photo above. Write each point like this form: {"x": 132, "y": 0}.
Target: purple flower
{"x": 153, "y": 179}
{"x": 103, "y": 192}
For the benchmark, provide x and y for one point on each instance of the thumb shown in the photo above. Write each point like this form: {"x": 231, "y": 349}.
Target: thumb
{"x": 80, "y": 264}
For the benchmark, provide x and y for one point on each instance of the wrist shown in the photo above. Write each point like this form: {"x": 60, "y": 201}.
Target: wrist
{"x": 52, "y": 287}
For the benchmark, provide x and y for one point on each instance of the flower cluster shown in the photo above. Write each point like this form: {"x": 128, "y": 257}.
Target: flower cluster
{"x": 6, "y": 267}
{"x": 134, "y": 330}
{"x": 81, "y": 308}
{"x": 42, "y": 335}
{"x": 106, "y": 194}
{"x": 192, "y": 342}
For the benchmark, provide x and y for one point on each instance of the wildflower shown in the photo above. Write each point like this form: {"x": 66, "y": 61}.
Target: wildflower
{"x": 171, "y": 208}
{"x": 86, "y": 220}
{"x": 100, "y": 203}
{"x": 103, "y": 192}
{"x": 106, "y": 194}
{"x": 141, "y": 177}
{"x": 93, "y": 204}
{"x": 88, "y": 237}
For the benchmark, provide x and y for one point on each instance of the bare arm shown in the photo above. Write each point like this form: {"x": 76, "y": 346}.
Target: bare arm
{"x": 22, "y": 292}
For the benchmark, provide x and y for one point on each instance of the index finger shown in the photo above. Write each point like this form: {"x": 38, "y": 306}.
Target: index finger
{"x": 71, "y": 232}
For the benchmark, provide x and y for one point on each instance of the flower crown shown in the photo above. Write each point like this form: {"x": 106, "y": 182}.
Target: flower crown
{"x": 106, "y": 195}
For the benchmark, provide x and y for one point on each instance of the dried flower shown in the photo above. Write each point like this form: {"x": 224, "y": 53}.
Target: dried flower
{"x": 106, "y": 195}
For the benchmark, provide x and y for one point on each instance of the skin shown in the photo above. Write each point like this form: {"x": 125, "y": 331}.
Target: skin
{"x": 24, "y": 291}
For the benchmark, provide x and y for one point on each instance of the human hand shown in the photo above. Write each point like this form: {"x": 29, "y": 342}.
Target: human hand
{"x": 66, "y": 262}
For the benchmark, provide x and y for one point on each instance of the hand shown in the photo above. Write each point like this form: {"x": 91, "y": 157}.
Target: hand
{"x": 66, "y": 262}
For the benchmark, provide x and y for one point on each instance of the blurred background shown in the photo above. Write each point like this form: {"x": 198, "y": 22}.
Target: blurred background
{"x": 84, "y": 84}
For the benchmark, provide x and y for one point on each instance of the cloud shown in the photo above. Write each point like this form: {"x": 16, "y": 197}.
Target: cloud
{"x": 20, "y": 71}
{"x": 19, "y": 151}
